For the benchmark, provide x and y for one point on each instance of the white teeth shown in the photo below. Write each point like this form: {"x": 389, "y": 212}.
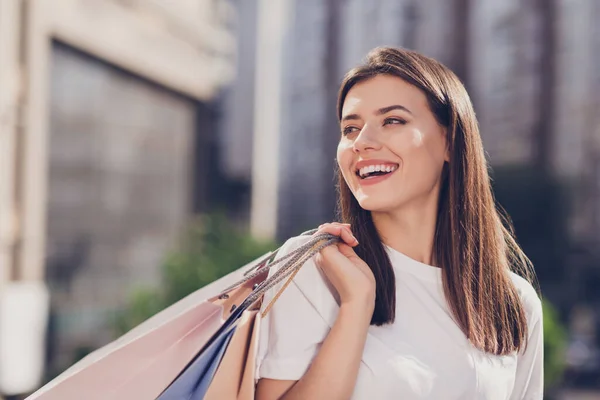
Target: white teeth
{"x": 373, "y": 168}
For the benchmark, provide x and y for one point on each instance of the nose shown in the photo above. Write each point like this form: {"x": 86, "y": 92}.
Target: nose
{"x": 366, "y": 140}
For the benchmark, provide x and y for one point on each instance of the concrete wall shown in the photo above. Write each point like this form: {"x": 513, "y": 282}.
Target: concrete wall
{"x": 98, "y": 143}
{"x": 120, "y": 180}
{"x": 9, "y": 113}
{"x": 185, "y": 47}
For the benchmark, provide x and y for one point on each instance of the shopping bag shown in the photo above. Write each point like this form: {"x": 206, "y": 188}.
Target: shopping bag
{"x": 148, "y": 382}
{"x": 156, "y": 350}
{"x": 235, "y": 377}
{"x": 224, "y": 370}
{"x": 194, "y": 381}
{"x": 151, "y": 381}
{"x": 194, "y": 332}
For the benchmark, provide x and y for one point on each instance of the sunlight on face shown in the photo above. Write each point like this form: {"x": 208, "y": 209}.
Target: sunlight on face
{"x": 392, "y": 140}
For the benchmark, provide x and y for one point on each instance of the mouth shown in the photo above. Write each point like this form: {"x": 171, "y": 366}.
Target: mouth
{"x": 374, "y": 171}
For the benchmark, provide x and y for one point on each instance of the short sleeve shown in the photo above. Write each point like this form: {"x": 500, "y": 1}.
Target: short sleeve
{"x": 292, "y": 332}
{"x": 529, "y": 379}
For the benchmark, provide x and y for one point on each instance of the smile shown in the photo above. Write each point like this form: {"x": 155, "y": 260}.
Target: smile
{"x": 374, "y": 171}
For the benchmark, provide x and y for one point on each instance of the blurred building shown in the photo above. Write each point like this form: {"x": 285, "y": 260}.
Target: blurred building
{"x": 529, "y": 66}
{"x": 107, "y": 140}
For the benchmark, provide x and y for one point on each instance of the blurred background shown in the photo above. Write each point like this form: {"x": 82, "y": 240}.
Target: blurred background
{"x": 148, "y": 147}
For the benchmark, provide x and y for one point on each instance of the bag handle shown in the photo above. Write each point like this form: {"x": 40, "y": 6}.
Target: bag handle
{"x": 279, "y": 293}
{"x": 269, "y": 260}
{"x": 290, "y": 269}
{"x": 292, "y": 262}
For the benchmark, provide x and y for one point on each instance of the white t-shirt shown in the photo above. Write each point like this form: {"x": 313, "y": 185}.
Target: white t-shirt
{"x": 422, "y": 355}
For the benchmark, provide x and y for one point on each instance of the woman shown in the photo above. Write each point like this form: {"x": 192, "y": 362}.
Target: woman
{"x": 419, "y": 301}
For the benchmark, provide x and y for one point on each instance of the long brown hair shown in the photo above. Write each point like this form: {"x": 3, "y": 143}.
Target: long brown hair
{"x": 473, "y": 244}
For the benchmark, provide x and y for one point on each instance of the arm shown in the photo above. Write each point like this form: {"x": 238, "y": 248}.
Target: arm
{"x": 303, "y": 358}
{"x": 334, "y": 370}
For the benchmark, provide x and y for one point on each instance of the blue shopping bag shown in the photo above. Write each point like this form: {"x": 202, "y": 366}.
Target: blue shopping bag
{"x": 194, "y": 381}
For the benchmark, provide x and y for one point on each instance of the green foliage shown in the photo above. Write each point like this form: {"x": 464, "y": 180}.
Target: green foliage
{"x": 555, "y": 341}
{"x": 143, "y": 303}
{"x": 211, "y": 248}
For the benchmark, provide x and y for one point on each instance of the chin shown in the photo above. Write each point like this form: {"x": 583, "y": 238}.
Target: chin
{"x": 374, "y": 204}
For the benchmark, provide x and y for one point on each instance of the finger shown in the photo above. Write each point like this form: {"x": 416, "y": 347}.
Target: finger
{"x": 332, "y": 260}
{"x": 348, "y": 236}
{"x": 331, "y": 228}
{"x": 338, "y": 230}
{"x": 349, "y": 253}
{"x": 335, "y": 224}
{"x": 346, "y": 250}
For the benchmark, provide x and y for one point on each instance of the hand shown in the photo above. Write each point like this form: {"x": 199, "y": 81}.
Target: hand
{"x": 348, "y": 273}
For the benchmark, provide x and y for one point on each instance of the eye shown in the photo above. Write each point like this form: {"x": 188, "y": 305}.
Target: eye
{"x": 394, "y": 121}
{"x": 349, "y": 129}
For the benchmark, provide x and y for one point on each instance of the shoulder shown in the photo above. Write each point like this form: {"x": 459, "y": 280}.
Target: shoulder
{"x": 309, "y": 284}
{"x": 309, "y": 274}
{"x": 529, "y": 297}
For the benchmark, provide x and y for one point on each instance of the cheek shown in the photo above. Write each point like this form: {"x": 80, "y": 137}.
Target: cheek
{"x": 410, "y": 146}
{"x": 428, "y": 149}
{"x": 345, "y": 156}
{"x": 417, "y": 138}
{"x": 421, "y": 151}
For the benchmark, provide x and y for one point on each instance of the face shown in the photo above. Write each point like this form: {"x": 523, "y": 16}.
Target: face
{"x": 392, "y": 149}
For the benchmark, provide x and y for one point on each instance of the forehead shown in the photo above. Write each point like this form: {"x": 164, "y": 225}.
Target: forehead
{"x": 383, "y": 91}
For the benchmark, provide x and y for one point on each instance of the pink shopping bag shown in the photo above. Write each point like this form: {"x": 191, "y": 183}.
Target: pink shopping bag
{"x": 143, "y": 362}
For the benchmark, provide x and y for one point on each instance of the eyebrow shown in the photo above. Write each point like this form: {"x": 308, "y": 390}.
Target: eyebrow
{"x": 381, "y": 111}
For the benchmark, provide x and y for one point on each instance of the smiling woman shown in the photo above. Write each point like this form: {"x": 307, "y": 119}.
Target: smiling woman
{"x": 406, "y": 134}
{"x": 422, "y": 300}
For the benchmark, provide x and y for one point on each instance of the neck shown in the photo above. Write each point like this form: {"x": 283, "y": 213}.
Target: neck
{"x": 411, "y": 229}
